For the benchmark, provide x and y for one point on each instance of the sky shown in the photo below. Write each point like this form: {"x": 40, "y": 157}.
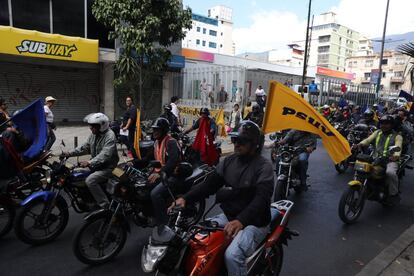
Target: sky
{"x": 261, "y": 25}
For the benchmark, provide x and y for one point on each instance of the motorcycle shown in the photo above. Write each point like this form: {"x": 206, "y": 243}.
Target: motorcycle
{"x": 368, "y": 184}
{"x": 44, "y": 214}
{"x": 287, "y": 171}
{"x": 18, "y": 188}
{"x": 103, "y": 233}
{"x": 199, "y": 250}
{"x": 356, "y": 134}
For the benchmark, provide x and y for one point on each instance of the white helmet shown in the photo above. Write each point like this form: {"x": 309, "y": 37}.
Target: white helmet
{"x": 98, "y": 119}
{"x": 325, "y": 106}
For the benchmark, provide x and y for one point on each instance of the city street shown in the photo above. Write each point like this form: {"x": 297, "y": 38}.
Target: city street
{"x": 325, "y": 246}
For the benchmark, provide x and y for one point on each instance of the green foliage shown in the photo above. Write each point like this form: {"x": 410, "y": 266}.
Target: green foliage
{"x": 145, "y": 28}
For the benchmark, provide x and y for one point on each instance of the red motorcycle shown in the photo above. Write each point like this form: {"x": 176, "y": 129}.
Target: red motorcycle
{"x": 200, "y": 250}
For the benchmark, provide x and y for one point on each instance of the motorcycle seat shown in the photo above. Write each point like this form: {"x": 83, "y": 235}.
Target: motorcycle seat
{"x": 196, "y": 174}
{"x": 365, "y": 158}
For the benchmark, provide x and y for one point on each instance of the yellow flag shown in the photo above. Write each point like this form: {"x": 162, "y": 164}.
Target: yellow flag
{"x": 221, "y": 123}
{"x": 137, "y": 137}
{"x": 285, "y": 109}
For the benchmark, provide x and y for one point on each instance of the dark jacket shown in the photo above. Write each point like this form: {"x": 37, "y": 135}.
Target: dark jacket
{"x": 298, "y": 138}
{"x": 7, "y": 164}
{"x": 251, "y": 181}
{"x": 255, "y": 117}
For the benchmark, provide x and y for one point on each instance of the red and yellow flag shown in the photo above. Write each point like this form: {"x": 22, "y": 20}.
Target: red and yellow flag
{"x": 286, "y": 109}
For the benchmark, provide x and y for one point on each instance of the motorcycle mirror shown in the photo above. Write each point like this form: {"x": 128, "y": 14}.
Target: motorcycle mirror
{"x": 155, "y": 164}
{"x": 272, "y": 137}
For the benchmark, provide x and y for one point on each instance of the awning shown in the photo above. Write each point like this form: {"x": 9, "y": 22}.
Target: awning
{"x": 22, "y": 42}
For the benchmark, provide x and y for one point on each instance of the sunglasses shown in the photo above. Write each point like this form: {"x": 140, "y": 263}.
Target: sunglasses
{"x": 240, "y": 140}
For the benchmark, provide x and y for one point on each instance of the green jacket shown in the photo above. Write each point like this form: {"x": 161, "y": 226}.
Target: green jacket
{"x": 382, "y": 142}
{"x": 102, "y": 148}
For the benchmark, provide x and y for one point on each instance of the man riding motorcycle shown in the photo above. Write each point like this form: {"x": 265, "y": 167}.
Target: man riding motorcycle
{"x": 356, "y": 114}
{"x": 368, "y": 118}
{"x": 204, "y": 113}
{"x": 256, "y": 115}
{"x": 244, "y": 181}
{"x": 382, "y": 140}
{"x": 307, "y": 140}
{"x": 171, "y": 118}
{"x": 404, "y": 127}
{"x": 167, "y": 151}
{"x": 101, "y": 145}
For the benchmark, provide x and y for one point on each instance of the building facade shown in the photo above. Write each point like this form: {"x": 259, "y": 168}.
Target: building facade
{"x": 331, "y": 43}
{"x": 212, "y": 33}
{"x": 365, "y": 70}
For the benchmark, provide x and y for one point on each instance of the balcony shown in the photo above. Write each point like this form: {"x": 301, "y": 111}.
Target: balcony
{"x": 366, "y": 80}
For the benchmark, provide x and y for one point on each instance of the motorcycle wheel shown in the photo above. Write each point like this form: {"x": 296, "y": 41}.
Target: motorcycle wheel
{"x": 31, "y": 230}
{"x": 280, "y": 191}
{"x": 7, "y": 214}
{"x": 342, "y": 167}
{"x": 88, "y": 246}
{"x": 273, "y": 267}
{"x": 349, "y": 211}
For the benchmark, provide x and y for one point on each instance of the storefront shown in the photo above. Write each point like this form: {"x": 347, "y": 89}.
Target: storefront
{"x": 35, "y": 65}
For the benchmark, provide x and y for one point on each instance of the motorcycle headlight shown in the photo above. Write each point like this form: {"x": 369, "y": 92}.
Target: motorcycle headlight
{"x": 285, "y": 157}
{"x": 150, "y": 257}
{"x": 48, "y": 176}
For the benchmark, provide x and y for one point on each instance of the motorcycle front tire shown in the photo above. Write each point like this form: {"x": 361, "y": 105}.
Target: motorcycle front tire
{"x": 19, "y": 225}
{"x": 345, "y": 198}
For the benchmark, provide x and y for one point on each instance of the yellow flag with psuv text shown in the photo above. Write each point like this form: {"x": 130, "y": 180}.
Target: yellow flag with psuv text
{"x": 286, "y": 109}
{"x": 137, "y": 136}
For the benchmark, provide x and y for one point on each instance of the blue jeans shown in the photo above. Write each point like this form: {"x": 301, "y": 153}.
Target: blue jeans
{"x": 303, "y": 166}
{"x": 242, "y": 246}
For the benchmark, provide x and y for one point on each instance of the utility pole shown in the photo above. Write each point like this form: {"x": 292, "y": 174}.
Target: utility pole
{"x": 305, "y": 62}
{"x": 382, "y": 50}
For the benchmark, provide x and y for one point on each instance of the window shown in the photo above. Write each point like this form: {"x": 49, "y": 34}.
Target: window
{"x": 399, "y": 61}
{"x": 212, "y": 45}
{"x": 198, "y": 41}
{"x": 369, "y": 63}
{"x": 384, "y": 62}
{"x": 204, "y": 43}
{"x": 213, "y": 33}
{"x": 350, "y": 64}
{"x": 221, "y": 33}
{"x": 4, "y": 13}
{"x": 323, "y": 49}
{"x": 69, "y": 21}
{"x": 31, "y": 15}
{"x": 384, "y": 74}
{"x": 398, "y": 74}
{"x": 204, "y": 30}
{"x": 221, "y": 45}
{"x": 367, "y": 75}
{"x": 198, "y": 29}
{"x": 325, "y": 38}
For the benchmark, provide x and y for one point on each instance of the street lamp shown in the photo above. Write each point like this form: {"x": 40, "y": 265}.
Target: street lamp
{"x": 305, "y": 63}
{"x": 382, "y": 50}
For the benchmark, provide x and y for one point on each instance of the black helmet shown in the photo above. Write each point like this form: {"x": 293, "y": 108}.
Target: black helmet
{"x": 162, "y": 124}
{"x": 386, "y": 119}
{"x": 256, "y": 108}
{"x": 369, "y": 113}
{"x": 204, "y": 110}
{"x": 248, "y": 132}
{"x": 167, "y": 107}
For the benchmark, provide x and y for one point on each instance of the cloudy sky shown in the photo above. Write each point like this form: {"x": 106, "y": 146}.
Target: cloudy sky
{"x": 261, "y": 25}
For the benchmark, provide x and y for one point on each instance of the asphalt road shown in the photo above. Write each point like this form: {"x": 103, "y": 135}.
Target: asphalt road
{"x": 325, "y": 246}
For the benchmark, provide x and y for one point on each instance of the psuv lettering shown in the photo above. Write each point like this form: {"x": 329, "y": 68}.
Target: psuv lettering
{"x": 287, "y": 111}
{"x": 44, "y": 48}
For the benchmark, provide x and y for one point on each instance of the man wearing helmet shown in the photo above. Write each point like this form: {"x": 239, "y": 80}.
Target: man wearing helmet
{"x": 204, "y": 113}
{"x": 171, "y": 118}
{"x": 382, "y": 140}
{"x": 356, "y": 114}
{"x": 104, "y": 155}
{"x": 167, "y": 152}
{"x": 256, "y": 116}
{"x": 368, "y": 118}
{"x": 243, "y": 182}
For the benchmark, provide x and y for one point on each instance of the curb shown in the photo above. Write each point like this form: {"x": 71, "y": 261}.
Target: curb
{"x": 384, "y": 259}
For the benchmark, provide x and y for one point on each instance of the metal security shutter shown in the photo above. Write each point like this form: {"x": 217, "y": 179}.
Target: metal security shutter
{"x": 76, "y": 89}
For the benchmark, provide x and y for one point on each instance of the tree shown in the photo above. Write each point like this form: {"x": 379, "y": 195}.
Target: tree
{"x": 408, "y": 49}
{"x": 145, "y": 29}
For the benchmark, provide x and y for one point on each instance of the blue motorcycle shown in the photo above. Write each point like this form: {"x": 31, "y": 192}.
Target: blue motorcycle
{"x": 44, "y": 215}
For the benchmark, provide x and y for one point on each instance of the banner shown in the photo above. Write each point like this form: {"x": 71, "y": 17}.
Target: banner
{"x": 285, "y": 109}
{"x": 32, "y": 122}
{"x": 22, "y": 42}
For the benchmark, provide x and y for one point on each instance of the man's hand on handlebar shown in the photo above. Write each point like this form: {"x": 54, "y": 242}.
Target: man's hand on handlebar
{"x": 84, "y": 164}
{"x": 153, "y": 177}
{"x": 232, "y": 228}
{"x": 179, "y": 202}
{"x": 310, "y": 149}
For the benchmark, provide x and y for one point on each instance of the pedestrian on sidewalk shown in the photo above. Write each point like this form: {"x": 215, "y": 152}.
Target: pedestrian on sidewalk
{"x": 204, "y": 93}
{"x": 129, "y": 124}
{"x": 51, "y": 127}
{"x": 260, "y": 97}
{"x": 175, "y": 110}
{"x": 222, "y": 97}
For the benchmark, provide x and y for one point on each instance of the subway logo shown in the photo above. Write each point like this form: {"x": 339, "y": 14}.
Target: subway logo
{"x": 44, "y": 48}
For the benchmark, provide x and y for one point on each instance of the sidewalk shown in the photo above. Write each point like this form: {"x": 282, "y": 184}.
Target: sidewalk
{"x": 396, "y": 259}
